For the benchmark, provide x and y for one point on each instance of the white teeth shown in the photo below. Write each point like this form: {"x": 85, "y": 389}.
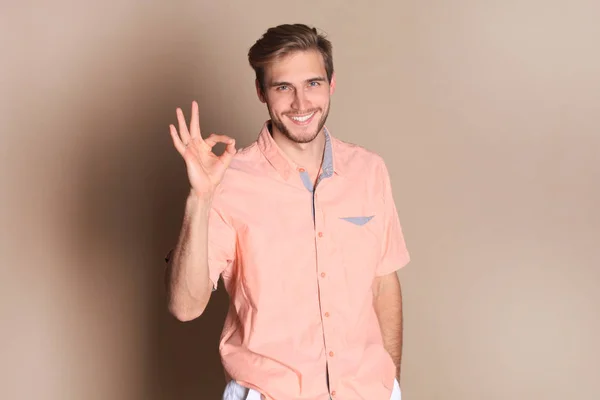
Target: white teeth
{"x": 302, "y": 119}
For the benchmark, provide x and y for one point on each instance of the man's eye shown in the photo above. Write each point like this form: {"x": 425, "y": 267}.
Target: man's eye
{"x": 314, "y": 83}
{"x": 282, "y": 87}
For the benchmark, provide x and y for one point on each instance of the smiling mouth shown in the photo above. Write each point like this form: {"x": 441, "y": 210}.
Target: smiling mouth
{"x": 302, "y": 119}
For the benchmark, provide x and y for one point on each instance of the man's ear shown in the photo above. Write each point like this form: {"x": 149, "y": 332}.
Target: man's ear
{"x": 332, "y": 84}
{"x": 259, "y": 92}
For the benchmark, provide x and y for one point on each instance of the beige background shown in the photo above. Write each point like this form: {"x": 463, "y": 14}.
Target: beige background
{"x": 487, "y": 114}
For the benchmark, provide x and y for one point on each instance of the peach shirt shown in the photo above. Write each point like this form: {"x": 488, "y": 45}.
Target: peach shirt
{"x": 298, "y": 265}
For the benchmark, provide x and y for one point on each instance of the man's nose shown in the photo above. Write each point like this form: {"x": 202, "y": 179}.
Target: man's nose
{"x": 300, "y": 101}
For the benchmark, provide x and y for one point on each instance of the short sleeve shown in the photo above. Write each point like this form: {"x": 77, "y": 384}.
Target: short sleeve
{"x": 394, "y": 254}
{"x": 221, "y": 245}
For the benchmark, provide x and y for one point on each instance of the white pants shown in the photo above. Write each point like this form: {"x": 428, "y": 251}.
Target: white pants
{"x": 235, "y": 391}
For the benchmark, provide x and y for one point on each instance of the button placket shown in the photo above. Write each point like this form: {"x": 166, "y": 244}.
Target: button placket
{"x": 323, "y": 275}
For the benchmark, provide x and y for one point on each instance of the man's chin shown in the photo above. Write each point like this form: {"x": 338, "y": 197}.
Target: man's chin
{"x": 303, "y": 136}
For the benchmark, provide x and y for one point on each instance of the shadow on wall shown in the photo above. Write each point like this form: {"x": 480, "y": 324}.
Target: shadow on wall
{"x": 130, "y": 198}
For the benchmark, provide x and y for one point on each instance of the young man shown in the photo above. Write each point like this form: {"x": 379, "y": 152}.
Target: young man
{"x": 303, "y": 230}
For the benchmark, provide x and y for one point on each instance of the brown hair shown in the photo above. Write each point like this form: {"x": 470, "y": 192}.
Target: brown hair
{"x": 279, "y": 41}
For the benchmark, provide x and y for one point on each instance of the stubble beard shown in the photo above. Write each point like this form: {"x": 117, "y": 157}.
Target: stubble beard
{"x": 278, "y": 123}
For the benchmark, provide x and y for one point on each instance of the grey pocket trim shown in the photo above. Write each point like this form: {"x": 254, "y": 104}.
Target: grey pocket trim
{"x": 358, "y": 220}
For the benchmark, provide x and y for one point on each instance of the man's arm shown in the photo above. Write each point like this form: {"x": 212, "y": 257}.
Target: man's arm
{"x": 187, "y": 277}
{"x": 387, "y": 301}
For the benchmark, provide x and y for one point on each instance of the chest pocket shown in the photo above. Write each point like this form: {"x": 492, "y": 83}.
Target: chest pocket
{"x": 358, "y": 239}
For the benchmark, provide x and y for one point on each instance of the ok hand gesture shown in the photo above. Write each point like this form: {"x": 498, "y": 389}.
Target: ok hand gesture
{"x": 205, "y": 169}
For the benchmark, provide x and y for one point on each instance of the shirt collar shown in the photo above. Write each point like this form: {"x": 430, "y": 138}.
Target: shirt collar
{"x": 284, "y": 165}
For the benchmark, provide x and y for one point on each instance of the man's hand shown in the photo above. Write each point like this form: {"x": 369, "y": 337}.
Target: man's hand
{"x": 387, "y": 301}
{"x": 205, "y": 169}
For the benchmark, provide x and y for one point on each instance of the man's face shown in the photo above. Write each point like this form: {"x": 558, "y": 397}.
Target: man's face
{"x": 297, "y": 94}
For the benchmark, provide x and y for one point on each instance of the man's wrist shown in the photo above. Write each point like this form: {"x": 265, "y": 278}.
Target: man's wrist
{"x": 198, "y": 204}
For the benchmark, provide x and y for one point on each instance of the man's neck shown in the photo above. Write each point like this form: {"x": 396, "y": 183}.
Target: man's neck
{"x": 306, "y": 155}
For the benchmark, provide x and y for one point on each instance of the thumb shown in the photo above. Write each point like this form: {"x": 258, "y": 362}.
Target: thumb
{"x": 228, "y": 154}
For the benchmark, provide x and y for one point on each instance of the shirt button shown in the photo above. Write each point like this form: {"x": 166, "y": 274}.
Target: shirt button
{"x": 331, "y": 354}
{"x": 327, "y": 314}
{"x": 333, "y": 393}
{"x": 301, "y": 169}
{"x": 320, "y": 234}
{"x": 323, "y": 274}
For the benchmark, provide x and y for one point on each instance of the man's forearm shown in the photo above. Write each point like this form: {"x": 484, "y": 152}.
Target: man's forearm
{"x": 187, "y": 278}
{"x": 387, "y": 302}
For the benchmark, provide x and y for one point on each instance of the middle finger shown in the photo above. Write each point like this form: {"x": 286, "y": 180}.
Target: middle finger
{"x": 195, "y": 122}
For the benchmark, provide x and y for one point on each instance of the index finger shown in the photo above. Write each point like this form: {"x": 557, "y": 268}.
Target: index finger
{"x": 213, "y": 139}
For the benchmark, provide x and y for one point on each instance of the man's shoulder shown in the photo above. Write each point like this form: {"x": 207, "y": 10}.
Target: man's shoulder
{"x": 246, "y": 157}
{"x": 355, "y": 157}
{"x": 355, "y": 149}
{"x": 246, "y": 163}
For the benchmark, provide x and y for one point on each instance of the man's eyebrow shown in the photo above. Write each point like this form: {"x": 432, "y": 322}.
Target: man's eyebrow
{"x": 282, "y": 83}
